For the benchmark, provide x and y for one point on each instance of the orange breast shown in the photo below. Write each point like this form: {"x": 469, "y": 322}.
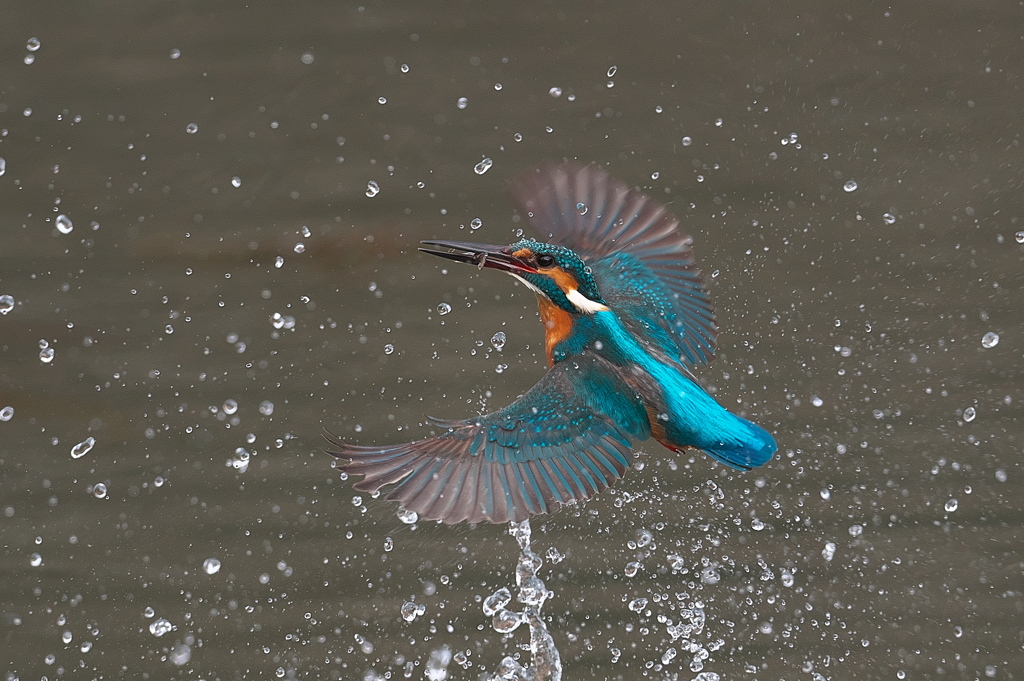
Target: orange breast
{"x": 557, "y": 325}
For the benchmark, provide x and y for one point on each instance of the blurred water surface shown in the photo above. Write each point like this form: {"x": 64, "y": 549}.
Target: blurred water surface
{"x": 229, "y": 288}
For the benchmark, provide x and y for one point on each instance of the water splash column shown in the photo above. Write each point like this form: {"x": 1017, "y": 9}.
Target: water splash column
{"x": 545, "y": 663}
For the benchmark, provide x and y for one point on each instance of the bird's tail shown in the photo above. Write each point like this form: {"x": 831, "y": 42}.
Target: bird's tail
{"x": 746, "y": 453}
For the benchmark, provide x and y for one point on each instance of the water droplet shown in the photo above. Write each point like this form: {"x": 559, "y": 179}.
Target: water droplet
{"x": 952, "y": 505}
{"x": 6, "y": 414}
{"x": 669, "y": 655}
{"x": 3, "y": 165}
{"x": 236, "y": 181}
{"x": 825, "y": 494}
{"x": 404, "y": 68}
{"x": 29, "y": 58}
{"x": 279, "y": 261}
{"x": 475, "y": 224}
{"x": 817, "y": 401}
{"x": 554, "y": 556}
{"x": 180, "y": 654}
{"x": 709, "y": 575}
{"x": 519, "y": 138}
{"x": 496, "y": 601}
{"x": 99, "y": 490}
{"x": 501, "y": 368}
{"x": 969, "y": 414}
{"x": 655, "y": 175}
{"x": 757, "y": 524}
{"x": 46, "y": 355}
{"x": 506, "y": 621}
{"x": 161, "y": 627}
{"x": 230, "y": 406}
{"x": 411, "y": 611}
{"x": 462, "y": 103}
{"x": 64, "y": 224}
{"x": 240, "y": 460}
{"x": 86, "y": 646}
{"x": 83, "y": 448}
{"x": 33, "y": 44}
{"x": 443, "y": 308}
{"x": 300, "y": 247}
{"x": 582, "y": 208}
{"x": 483, "y": 166}
{"x": 498, "y": 340}
{"x": 687, "y": 141}
{"x": 389, "y": 544}
{"x": 408, "y": 517}
{"x": 632, "y": 568}
{"x": 638, "y": 604}
{"x": 1000, "y": 475}
{"x": 555, "y": 92}
{"x": 388, "y": 349}
{"x": 35, "y": 560}
{"x": 497, "y": 86}
{"x": 148, "y": 613}
{"x": 612, "y": 70}
{"x": 856, "y": 530}
{"x": 211, "y": 566}
{"x": 175, "y": 53}
{"x": 850, "y": 186}
{"x": 989, "y": 340}
{"x": 307, "y": 58}
{"x": 372, "y": 188}
{"x": 1019, "y": 236}
{"x": 718, "y": 122}
{"x": 266, "y": 407}
{"x": 191, "y": 128}
{"x": 382, "y": 100}
{"x": 889, "y": 218}
{"x": 829, "y": 552}
{"x": 6, "y": 303}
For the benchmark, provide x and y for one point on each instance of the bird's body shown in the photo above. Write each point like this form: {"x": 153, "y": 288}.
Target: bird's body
{"x": 624, "y": 310}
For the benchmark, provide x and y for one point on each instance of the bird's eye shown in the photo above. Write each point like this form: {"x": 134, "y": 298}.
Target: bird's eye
{"x": 545, "y": 260}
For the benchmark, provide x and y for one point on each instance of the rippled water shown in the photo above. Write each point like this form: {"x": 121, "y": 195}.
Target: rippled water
{"x": 207, "y": 256}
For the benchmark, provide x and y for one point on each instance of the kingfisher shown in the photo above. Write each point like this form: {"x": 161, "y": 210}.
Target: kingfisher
{"x": 625, "y": 314}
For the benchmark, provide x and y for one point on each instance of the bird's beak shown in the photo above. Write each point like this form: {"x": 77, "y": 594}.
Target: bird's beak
{"x": 481, "y": 255}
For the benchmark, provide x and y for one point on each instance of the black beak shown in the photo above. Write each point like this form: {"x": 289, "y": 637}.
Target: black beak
{"x": 481, "y": 255}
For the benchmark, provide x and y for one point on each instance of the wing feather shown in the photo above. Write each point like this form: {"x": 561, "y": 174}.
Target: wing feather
{"x": 553, "y": 445}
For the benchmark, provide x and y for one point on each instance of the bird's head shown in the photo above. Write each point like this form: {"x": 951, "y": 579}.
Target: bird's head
{"x": 552, "y": 271}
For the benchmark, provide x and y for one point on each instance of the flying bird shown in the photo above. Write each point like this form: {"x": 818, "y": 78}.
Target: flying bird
{"x": 625, "y": 314}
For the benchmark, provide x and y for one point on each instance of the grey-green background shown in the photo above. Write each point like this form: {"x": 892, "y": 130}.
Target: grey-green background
{"x": 855, "y": 338}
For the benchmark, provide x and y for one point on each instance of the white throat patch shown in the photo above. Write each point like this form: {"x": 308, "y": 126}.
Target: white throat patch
{"x": 529, "y": 285}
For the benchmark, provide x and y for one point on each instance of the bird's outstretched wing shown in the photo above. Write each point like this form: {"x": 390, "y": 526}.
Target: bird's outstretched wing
{"x": 568, "y": 437}
{"x": 624, "y": 236}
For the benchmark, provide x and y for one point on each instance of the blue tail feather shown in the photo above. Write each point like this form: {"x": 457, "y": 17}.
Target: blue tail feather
{"x": 752, "y": 452}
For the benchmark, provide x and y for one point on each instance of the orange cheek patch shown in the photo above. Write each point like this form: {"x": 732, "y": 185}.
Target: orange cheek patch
{"x": 565, "y": 281}
{"x": 523, "y": 254}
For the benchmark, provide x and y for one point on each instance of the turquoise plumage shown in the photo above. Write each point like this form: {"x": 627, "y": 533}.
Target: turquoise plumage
{"x": 625, "y": 311}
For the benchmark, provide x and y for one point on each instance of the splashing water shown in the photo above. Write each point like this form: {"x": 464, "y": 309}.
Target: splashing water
{"x": 545, "y": 663}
